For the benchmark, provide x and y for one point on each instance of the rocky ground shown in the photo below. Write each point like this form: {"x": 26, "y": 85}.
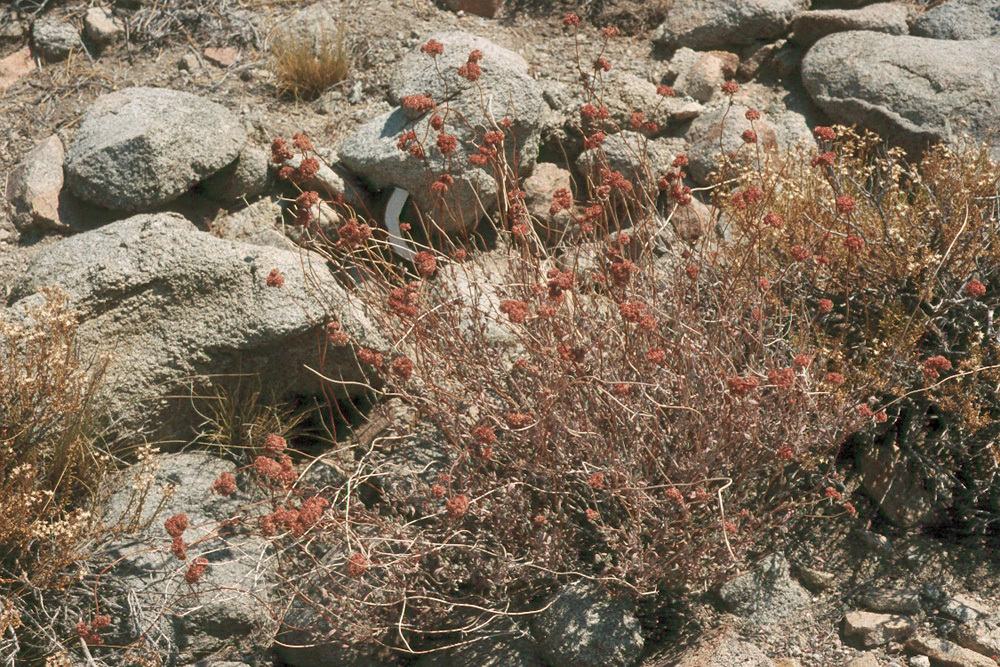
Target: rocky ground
{"x": 877, "y": 590}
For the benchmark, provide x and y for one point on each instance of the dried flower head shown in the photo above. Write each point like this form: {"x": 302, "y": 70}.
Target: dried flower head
{"x": 802, "y": 360}
{"x": 741, "y": 386}
{"x": 824, "y": 305}
{"x": 824, "y": 133}
{"x": 749, "y": 136}
{"x": 275, "y": 279}
{"x": 835, "y": 379}
{"x": 357, "y": 565}
{"x": 432, "y": 48}
{"x": 403, "y": 367}
{"x": 975, "y": 289}
{"x": 176, "y": 525}
{"x": 730, "y": 88}
{"x": 425, "y": 263}
{"x": 196, "y": 570}
{"x": 224, "y": 485}
{"x": 438, "y": 491}
{"x": 665, "y": 91}
{"x": 752, "y": 115}
{"x": 457, "y": 506}
{"x": 302, "y": 142}
{"x": 845, "y": 204}
{"x": 447, "y": 143}
{"x": 597, "y": 481}
{"x": 418, "y": 103}
{"x": 274, "y": 444}
{"x": 854, "y": 243}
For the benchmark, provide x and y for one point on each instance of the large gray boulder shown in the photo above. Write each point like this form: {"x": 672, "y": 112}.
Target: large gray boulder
{"x": 180, "y": 312}
{"x": 587, "y": 627}
{"x": 960, "y": 19}
{"x": 724, "y": 126}
{"x": 227, "y": 610}
{"x": 141, "y": 147}
{"x": 888, "y": 17}
{"x": 708, "y": 24}
{"x": 911, "y": 90}
{"x": 504, "y": 91}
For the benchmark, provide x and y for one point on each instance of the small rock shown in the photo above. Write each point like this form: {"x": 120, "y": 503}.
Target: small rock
{"x": 979, "y": 635}
{"x": 357, "y": 93}
{"x": 947, "y": 654}
{"x": 539, "y": 190}
{"x": 869, "y": 630}
{"x": 55, "y": 39}
{"x": 786, "y": 662}
{"x": 755, "y": 57}
{"x": 962, "y": 609}
{"x": 485, "y": 8}
{"x": 766, "y": 595}
{"x": 919, "y": 661}
{"x": 15, "y": 67}
{"x": 247, "y": 177}
{"x": 223, "y": 57}
{"x": 189, "y": 63}
{"x": 889, "y": 17}
{"x": 707, "y": 24}
{"x": 960, "y": 19}
{"x": 35, "y": 185}
{"x": 724, "y": 648}
{"x": 887, "y": 601}
{"x": 257, "y": 224}
{"x": 866, "y": 660}
{"x": 702, "y": 81}
{"x": 587, "y": 627}
{"x": 816, "y": 580}
{"x": 101, "y": 27}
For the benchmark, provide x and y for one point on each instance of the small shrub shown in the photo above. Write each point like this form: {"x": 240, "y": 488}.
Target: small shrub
{"x": 306, "y": 67}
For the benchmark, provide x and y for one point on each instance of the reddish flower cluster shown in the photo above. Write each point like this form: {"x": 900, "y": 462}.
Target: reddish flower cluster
{"x": 571, "y": 20}
{"x": 749, "y": 136}
{"x": 881, "y": 417}
{"x": 621, "y": 389}
{"x": 752, "y": 115}
{"x": 665, "y": 91}
{"x": 772, "y": 219}
{"x": 674, "y": 495}
{"x": 865, "y": 411}
{"x": 432, "y": 48}
{"x": 302, "y": 142}
{"x": 631, "y": 311}
{"x": 280, "y": 153}
{"x": 610, "y": 31}
{"x": 561, "y": 199}
{"x": 303, "y": 207}
{"x": 447, "y": 143}
{"x": 224, "y": 485}
{"x": 592, "y": 514}
{"x": 824, "y": 305}
{"x": 404, "y": 301}
{"x": 418, "y": 103}
{"x": 763, "y": 283}
{"x": 824, "y": 133}
{"x": 457, "y": 506}
{"x": 280, "y": 472}
{"x": 975, "y": 289}
{"x": 597, "y": 481}
{"x": 831, "y": 492}
{"x": 741, "y": 386}
{"x": 370, "y": 357}
{"x": 437, "y": 491}
{"x": 471, "y": 70}
{"x": 178, "y": 549}
{"x": 621, "y": 273}
{"x": 304, "y": 172}
{"x": 593, "y": 141}
{"x": 176, "y": 525}
{"x": 403, "y": 367}
{"x": 589, "y": 111}
{"x": 823, "y": 160}
{"x": 602, "y": 63}
{"x": 559, "y": 282}
{"x": 425, "y": 263}
{"x": 353, "y": 233}
{"x": 484, "y": 435}
{"x": 782, "y": 378}
{"x": 692, "y": 271}
{"x": 274, "y": 444}
{"x": 196, "y": 570}
{"x": 802, "y": 360}
{"x": 336, "y": 335}
{"x": 656, "y": 356}
{"x": 91, "y": 635}
{"x": 845, "y": 204}
{"x": 934, "y": 365}
{"x": 785, "y": 453}
{"x": 516, "y": 311}
{"x": 730, "y": 88}
{"x": 854, "y": 243}
{"x": 296, "y": 522}
{"x": 519, "y": 419}
{"x": 835, "y": 379}
{"x": 799, "y": 254}
{"x": 357, "y": 565}
{"x": 274, "y": 279}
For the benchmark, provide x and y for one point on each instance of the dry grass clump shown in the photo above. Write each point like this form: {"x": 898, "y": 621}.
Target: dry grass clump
{"x": 307, "y": 65}
{"x": 50, "y": 460}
